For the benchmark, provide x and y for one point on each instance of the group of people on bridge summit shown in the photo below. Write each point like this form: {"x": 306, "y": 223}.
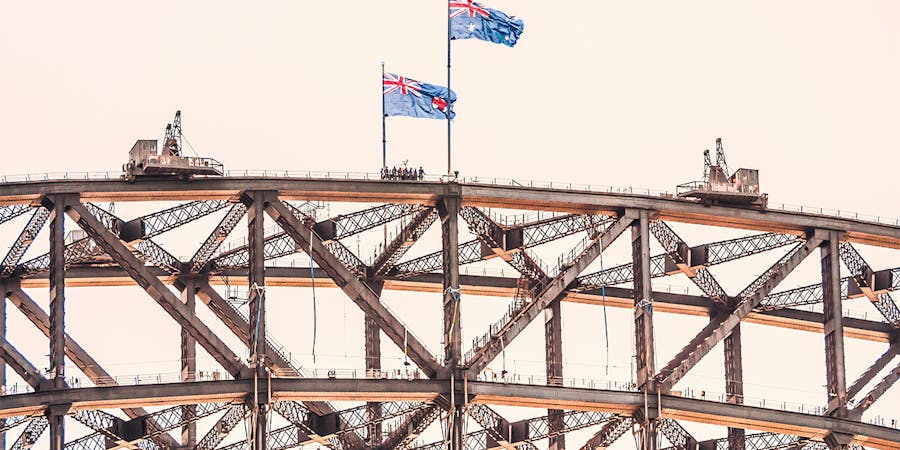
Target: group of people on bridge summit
{"x": 402, "y": 173}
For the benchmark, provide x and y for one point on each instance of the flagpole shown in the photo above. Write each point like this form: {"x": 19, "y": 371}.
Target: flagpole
{"x": 449, "y": 94}
{"x": 383, "y": 126}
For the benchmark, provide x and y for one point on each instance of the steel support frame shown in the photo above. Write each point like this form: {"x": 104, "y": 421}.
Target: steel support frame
{"x": 157, "y": 290}
{"x": 373, "y": 366}
{"x": 834, "y": 330}
{"x": 554, "y": 362}
{"x": 734, "y": 383}
{"x": 189, "y": 364}
{"x": 448, "y": 210}
{"x": 255, "y": 203}
{"x": 57, "y": 207}
{"x": 358, "y": 290}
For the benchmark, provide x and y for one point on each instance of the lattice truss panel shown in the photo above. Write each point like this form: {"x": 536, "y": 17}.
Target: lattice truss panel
{"x": 365, "y": 250}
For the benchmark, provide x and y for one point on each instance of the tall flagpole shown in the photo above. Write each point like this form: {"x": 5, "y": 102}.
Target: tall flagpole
{"x": 383, "y": 126}
{"x": 449, "y": 95}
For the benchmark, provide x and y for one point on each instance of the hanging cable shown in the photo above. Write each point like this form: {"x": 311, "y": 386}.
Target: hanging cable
{"x": 603, "y": 300}
{"x": 312, "y": 272}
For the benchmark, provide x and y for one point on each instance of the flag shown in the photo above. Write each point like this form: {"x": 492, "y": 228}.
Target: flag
{"x": 407, "y": 97}
{"x": 472, "y": 20}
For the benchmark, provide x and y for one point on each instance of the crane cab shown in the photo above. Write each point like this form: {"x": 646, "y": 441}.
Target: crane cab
{"x": 145, "y": 159}
{"x": 718, "y": 187}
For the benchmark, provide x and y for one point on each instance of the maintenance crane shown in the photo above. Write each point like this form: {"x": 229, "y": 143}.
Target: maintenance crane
{"x": 144, "y": 159}
{"x": 720, "y": 187}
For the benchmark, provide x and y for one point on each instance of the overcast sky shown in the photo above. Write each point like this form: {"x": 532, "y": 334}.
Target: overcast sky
{"x": 603, "y": 93}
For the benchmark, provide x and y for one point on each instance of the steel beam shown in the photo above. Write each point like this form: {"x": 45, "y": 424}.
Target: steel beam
{"x": 157, "y": 290}
{"x": 21, "y": 365}
{"x": 31, "y": 433}
{"x": 410, "y": 428}
{"x": 217, "y": 237}
{"x": 834, "y": 329}
{"x": 56, "y": 205}
{"x": 734, "y": 383}
{"x": 3, "y": 422}
{"x": 255, "y": 202}
{"x": 723, "y": 323}
{"x": 189, "y": 363}
{"x": 10, "y": 212}
{"x": 23, "y": 242}
{"x": 85, "y": 363}
{"x": 409, "y": 234}
{"x": 869, "y": 283}
{"x": 358, "y": 290}
{"x": 878, "y": 390}
{"x": 221, "y": 428}
{"x": 373, "y": 366}
{"x": 608, "y": 434}
{"x": 643, "y": 302}
{"x": 554, "y": 362}
{"x": 449, "y": 209}
{"x": 555, "y": 289}
{"x": 869, "y": 374}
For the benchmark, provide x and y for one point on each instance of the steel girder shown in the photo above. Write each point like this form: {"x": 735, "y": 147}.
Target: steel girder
{"x": 409, "y": 234}
{"x": 10, "y": 212}
{"x": 109, "y": 427}
{"x": 523, "y": 433}
{"x": 410, "y": 428}
{"x": 168, "y": 219}
{"x": 695, "y": 257}
{"x": 878, "y": 390}
{"x": 358, "y": 290}
{"x": 217, "y": 237}
{"x": 31, "y": 433}
{"x": 11, "y": 357}
{"x": 722, "y": 324}
{"x": 499, "y": 430}
{"x": 221, "y": 428}
{"x": 679, "y": 253}
{"x": 85, "y": 250}
{"x": 23, "y": 242}
{"x": 11, "y": 422}
{"x": 864, "y": 277}
{"x": 608, "y": 434}
{"x": 89, "y": 366}
{"x": 340, "y": 227}
{"x": 157, "y": 290}
{"x": 677, "y": 435}
{"x": 515, "y": 240}
{"x": 880, "y": 363}
{"x": 503, "y": 332}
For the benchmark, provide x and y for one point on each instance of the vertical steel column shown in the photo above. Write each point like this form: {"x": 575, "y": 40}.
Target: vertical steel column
{"x": 449, "y": 212}
{"x": 188, "y": 365}
{"x": 3, "y": 362}
{"x": 553, "y": 341}
{"x": 834, "y": 329}
{"x": 643, "y": 322}
{"x": 734, "y": 383}
{"x": 373, "y": 366}
{"x": 257, "y": 298}
{"x": 57, "y": 374}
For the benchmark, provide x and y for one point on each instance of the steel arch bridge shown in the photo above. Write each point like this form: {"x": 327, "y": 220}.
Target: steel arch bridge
{"x": 115, "y": 252}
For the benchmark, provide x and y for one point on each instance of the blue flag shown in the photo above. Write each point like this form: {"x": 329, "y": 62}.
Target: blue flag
{"x": 471, "y": 20}
{"x": 407, "y": 97}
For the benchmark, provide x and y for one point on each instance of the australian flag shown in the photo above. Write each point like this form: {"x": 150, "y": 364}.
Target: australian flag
{"x": 472, "y": 20}
{"x": 407, "y": 97}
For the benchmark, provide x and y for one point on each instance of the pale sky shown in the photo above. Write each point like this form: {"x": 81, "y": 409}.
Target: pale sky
{"x": 604, "y": 93}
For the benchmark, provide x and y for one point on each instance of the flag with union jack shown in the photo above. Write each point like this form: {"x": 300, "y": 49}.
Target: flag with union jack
{"x": 407, "y": 97}
{"x": 469, "y": 19}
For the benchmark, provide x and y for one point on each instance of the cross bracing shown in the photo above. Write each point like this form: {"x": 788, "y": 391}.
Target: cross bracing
{"x": 116, "y": 251}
